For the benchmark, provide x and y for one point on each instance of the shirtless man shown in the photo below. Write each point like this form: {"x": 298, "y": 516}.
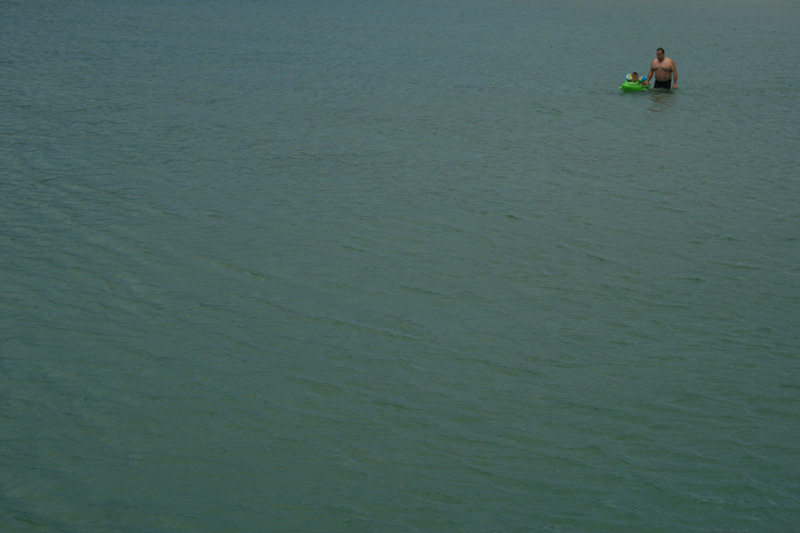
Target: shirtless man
{"x": 665, "y": 71}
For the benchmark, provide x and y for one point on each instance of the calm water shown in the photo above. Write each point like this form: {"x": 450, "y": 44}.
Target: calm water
{"x": 398, "y": 266}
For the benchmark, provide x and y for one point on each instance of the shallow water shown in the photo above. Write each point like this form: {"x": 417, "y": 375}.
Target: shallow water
{"x": 382, "y": 267}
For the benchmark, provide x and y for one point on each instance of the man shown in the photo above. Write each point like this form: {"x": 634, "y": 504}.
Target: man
{"x": 665, "y": 71}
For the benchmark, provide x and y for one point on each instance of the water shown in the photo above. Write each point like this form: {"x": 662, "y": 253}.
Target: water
{"x": 380, "y": 266}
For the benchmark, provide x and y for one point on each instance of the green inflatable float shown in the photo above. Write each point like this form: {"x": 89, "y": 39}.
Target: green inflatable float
{"x": 630, "y": 86}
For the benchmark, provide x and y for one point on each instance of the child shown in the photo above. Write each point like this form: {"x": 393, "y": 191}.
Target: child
{"x": 634, "y": 78}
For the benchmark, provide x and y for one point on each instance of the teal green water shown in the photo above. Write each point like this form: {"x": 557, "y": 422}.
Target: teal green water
{"x": 376, "y": 266}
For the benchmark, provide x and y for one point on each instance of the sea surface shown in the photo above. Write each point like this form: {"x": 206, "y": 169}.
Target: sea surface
{"x": 390, "y": 266}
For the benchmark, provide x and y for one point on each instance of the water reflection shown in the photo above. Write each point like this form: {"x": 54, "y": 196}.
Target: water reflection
{"x": 662, "y": 99}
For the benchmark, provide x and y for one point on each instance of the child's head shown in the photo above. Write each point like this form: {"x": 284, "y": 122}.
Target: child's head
{"x": 635, "y": 75}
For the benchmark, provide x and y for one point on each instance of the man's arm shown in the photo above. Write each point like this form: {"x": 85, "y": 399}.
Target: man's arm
{"x": 650, "y": 74}
{"x": 674, "y": 76}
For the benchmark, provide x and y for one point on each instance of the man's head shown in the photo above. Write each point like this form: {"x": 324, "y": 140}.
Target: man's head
{"x": 660, "y": 54}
